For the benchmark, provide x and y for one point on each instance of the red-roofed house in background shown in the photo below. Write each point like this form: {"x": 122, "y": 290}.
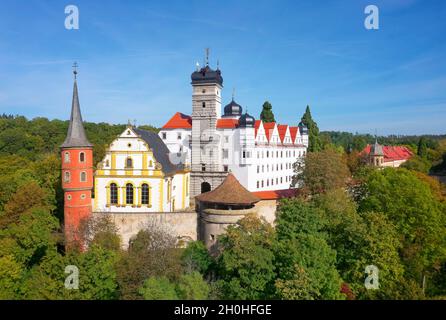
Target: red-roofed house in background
{"x": 386, "y": 156}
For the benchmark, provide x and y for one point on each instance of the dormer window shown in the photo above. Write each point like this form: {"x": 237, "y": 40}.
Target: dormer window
{"x": 128, "y": 132}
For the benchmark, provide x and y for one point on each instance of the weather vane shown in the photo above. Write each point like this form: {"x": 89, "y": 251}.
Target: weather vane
{"x": 75, "y": 65}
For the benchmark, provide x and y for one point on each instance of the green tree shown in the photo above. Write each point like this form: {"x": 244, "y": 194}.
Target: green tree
{"x": 304, "y": 261}
{"x": 313, "y": 131}
{"x": 158, "y": 288}
{"x": 196, "y": 257}
{"x": 267, "y": 114}
{"x": 321, "y": 171}
{"x": 246, "y": 262}
{"x": 152, "y": 253}
{"x": 419, "y": 217}
{"x": 191, "y": 286}
{"x": 422, "y": 148}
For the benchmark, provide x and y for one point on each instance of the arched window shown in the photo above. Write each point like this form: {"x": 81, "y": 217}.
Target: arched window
{"x": 129, "y": 163}
{"x": 67, "y": 157}
{"x": 113, "y": 193}
{"x": 107, "y": 163}
{"x": 205, "y": 187}
{"x": 145, "y": 197}
{"x": 82, "y": 157}
{"x": 129, "y": 193}
{"x": 83, "y": 176}
{"x": 67, "y": 176}
{"x": 203, "y": 104}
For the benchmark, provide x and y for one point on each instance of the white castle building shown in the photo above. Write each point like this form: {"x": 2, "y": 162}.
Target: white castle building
{"x": 260, "y": 155}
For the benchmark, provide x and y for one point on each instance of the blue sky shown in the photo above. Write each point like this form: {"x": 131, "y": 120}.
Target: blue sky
{"x": 136, "y": 58}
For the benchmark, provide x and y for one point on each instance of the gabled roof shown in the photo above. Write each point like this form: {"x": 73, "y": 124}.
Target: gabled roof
{"x": 76, "y": 136}
{"x": 392, "y": 153}
{"x": 179, "y": 121}
{"x": 293, "y": 133}
{"x": 229, "y": 192}
{"x": 282, "y": 131}
{"x": 227, "y": 123}
{"x": 256, "y": 127}
{"x": 269, "y": 129}
{"x": 160, "y": 151}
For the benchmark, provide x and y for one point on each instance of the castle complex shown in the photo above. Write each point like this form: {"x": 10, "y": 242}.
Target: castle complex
{"x": 229, "y": 163}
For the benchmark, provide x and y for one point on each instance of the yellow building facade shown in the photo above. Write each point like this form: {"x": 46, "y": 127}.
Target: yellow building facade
{"x": 139, "y": 175}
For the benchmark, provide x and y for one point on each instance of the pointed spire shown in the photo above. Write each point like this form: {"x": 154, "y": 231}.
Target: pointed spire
{"x": 76, "y": 136}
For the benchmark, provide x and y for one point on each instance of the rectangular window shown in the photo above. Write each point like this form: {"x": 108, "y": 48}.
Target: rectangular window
{"x": 164, "y": 135}
{"x": 225, "y": 168}
{"x": 226, "y": 139}
{"x": 258, "y": 169}
{"x": 203, "y": 167}
{"x": 262, "y": 183}
{"x": 244, "y": 154}
{"x": 225, "y": 154}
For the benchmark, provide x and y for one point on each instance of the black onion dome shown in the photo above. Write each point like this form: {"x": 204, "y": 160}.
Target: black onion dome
{"x": 246, "y": 121}
{"x": 233, "y": 109}
{"x": 207, "y": 76}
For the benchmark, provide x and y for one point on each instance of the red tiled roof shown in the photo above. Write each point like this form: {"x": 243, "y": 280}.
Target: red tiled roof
{"x": 179, "y": 121}
{"x": 276, "y": 194}
{"x": 282, "y": 131}
{"x": 269, "y": 129}
{"x": 293, "y": 132}
{"x": 256, "y": 127}
{"x": 227, "y": 123}
{"x": 392, "y": 153}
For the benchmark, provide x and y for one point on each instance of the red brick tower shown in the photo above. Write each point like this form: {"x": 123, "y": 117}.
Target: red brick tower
{"x": 77, "y": 170}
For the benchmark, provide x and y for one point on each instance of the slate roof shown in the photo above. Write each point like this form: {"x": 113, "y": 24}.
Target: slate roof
{"x": 160, "y": 151}
{"x": 206, "y": 75}
{"x": 76, "y": 136}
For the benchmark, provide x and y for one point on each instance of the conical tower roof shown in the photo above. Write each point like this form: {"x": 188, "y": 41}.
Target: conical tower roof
{"x": 76, "y": 136}
{"x": 229, "y": 192}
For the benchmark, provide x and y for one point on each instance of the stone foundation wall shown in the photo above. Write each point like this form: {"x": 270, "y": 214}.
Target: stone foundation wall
{"x": 182, "y": 224}
{"x": 186, "y": 226}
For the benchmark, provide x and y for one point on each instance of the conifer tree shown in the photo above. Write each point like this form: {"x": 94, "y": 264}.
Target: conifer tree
{"x": 313, "y": 131}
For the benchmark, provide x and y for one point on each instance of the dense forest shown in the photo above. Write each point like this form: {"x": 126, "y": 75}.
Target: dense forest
{"x": 347, "y": 216}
